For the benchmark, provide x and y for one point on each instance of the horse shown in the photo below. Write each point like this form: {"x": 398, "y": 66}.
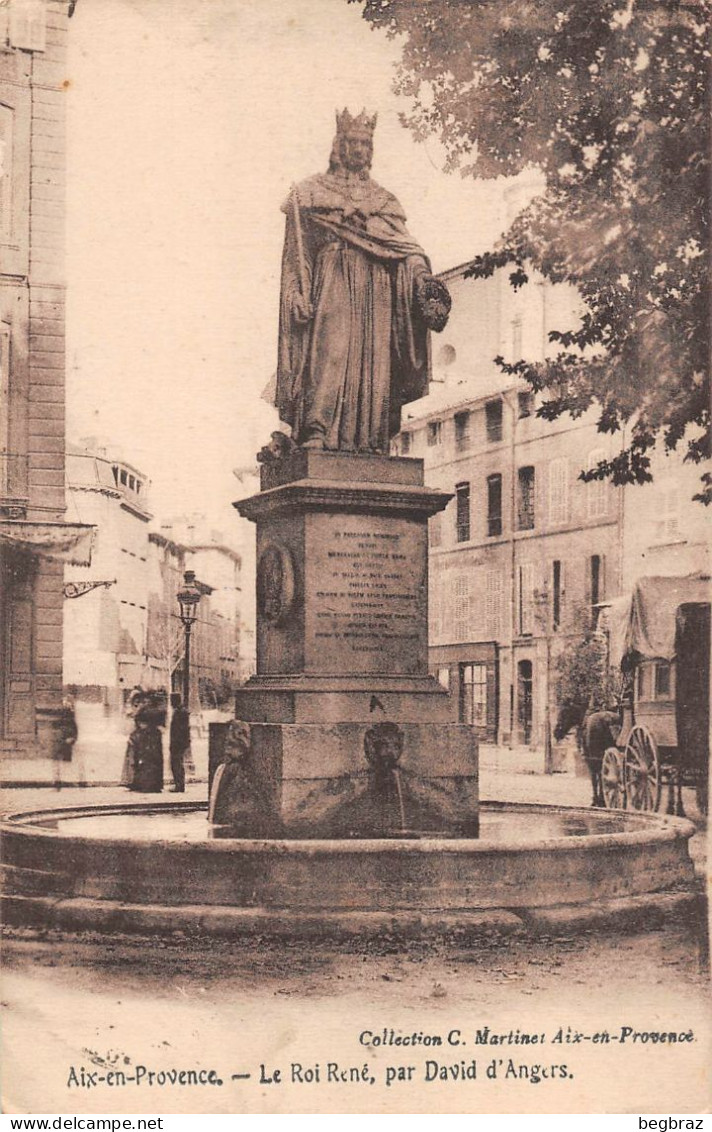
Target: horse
{"x": 596, "y": 731}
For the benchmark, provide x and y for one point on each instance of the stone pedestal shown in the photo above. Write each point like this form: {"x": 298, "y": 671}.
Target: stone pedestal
{"x": 349, "y": 734}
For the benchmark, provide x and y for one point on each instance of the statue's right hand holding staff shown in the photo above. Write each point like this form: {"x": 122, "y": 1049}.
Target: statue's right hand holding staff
{"x": 301, "y": 308}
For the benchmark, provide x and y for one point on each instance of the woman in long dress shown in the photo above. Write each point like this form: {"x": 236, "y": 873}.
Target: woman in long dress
{"x": 143, "y": 766}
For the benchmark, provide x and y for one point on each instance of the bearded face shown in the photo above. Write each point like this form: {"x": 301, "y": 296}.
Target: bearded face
{"x": 356, "y": 150}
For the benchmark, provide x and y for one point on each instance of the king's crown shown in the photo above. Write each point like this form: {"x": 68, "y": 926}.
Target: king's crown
{"x": 347, "y": 124}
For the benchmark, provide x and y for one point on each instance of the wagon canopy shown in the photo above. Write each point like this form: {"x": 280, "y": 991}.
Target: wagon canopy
{"x": 642, "y": 626}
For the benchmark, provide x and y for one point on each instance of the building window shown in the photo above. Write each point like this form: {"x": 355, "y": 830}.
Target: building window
{"x": 517, "y": 338}
{"x": 462, "y": 518}
{"x": 473, "y": 694}
{"x": 662, "y": 680}
{"x": 123, "y": 477}
{"x": 6, "y": 131}
{"x": 406, "y": 438}
{"x": 558, "y": 490}
{"x": 557, "y": 593}
{"x": 655, "y": 680}
{"x": 494, "y": 505}
{"x": 667, "y": 525}
{"x": 525, "y": 403}
{"x": 493, "y": 416}
{"x": 462, "y": 432}
{"x": 435, "y": 527}
{"x": 597, "y": 490}
{"x": 28, "y": 25}
{"x": 525, "y": 603}
{"x": 525, "y": 499}
{"x": 596, "y": 579}
{"x": 434, "y": 433}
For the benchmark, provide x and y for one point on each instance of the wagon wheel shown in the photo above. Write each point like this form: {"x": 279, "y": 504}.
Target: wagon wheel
{"x": 641, "y": 770}
{"x": 612, "y": 784}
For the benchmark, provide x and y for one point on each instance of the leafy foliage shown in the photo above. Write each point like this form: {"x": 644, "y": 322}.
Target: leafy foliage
{"x": 583, "y": 675}
{"x": 610, "y": 98}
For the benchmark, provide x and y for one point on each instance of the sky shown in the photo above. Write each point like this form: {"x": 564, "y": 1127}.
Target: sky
{"x": 187, "y": 124}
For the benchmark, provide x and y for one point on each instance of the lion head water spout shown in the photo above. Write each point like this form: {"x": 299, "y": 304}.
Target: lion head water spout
{"x": 388, "y": 799}
{"x": 383, "y": 747}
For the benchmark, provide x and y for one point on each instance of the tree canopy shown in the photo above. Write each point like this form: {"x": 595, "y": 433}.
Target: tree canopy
{"x": 610, "y": 98}
{"x": 583, "y": 676}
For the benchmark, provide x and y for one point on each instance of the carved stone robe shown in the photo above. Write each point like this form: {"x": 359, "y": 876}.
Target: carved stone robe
{"x": 345, "y": 375}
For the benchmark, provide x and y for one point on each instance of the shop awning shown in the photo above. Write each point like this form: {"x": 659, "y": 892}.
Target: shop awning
{"x": 64, "y": 542}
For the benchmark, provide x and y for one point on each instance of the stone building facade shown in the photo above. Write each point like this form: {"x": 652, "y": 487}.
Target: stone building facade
{"x": 216, "y": 663}
{"x": 525, "y": 550}
{"x": 123, "y": 628}
{"x": 35, "y": 536}
{"x": 105, "y": 628}
{"x": 666, "y": 531}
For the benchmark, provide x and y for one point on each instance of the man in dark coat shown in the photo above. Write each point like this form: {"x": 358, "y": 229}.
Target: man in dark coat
{"x": 179, "y": 742}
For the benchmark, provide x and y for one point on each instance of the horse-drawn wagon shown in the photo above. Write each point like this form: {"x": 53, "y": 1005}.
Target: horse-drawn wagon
{"x": 660, "y": 638}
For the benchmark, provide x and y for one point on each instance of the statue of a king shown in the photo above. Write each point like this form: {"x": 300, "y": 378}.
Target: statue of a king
{"x": 357, "y": 304}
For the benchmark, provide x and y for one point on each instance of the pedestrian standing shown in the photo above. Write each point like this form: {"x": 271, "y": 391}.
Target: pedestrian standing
{"x": 67, "y": 733}
{"x": 179, "y": 742}
{"x": 143, "y": 765}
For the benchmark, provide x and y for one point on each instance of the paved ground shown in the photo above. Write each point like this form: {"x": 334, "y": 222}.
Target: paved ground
{"x": 82, "y": 1003}
{"x": 98, "y": 755}
{"x": 245, "y": 1008}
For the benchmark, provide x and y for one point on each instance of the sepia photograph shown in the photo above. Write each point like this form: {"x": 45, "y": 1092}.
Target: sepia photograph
{"x": 355, "y": 585}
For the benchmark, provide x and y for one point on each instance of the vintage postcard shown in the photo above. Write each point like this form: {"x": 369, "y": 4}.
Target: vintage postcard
{"x": 354, "y": 560}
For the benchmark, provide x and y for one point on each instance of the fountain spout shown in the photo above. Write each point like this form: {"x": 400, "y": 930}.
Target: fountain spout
{"x": 383, "y": 747}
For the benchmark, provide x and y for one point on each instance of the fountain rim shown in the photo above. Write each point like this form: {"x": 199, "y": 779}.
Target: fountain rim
{"x": 663, "y": 827}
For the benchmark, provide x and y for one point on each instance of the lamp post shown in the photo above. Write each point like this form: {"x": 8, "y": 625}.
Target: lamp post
{"x": 188, "y": 599}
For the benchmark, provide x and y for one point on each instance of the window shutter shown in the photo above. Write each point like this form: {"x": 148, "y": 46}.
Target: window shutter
{"x": 477, "y": 605}
{"x": 667, "y": 524}
{"x": 526, "y": 599}
{"x": 597, "y": 490}
{"x": 493, "y": 589}
{"x": 462, "y": 512}
{"x": 558, "y": 490}
{"x": 461, "y": 606}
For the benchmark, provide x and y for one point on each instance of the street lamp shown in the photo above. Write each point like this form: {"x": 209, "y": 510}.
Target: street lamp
{"x": 188, "y": 599}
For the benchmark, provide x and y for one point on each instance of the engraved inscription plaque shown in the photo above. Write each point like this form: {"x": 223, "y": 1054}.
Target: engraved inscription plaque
{"x": 367, "y": 610}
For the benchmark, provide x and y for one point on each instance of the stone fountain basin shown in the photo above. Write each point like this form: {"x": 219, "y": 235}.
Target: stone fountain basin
{"x": 144, "y": 867}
